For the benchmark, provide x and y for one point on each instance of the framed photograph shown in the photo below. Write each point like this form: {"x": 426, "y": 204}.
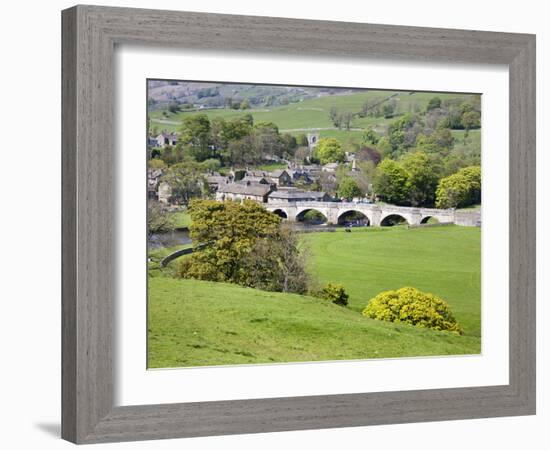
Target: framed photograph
{"x": 268, "y": 230}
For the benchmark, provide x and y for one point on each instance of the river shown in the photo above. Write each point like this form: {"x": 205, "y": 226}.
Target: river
{"x": 181, "y": 236}
{"x": 170, "y": 239}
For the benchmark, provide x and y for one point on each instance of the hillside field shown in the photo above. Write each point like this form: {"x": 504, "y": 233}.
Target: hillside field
{"x": 199, "y": 323}
{"x": 313, "y": 114}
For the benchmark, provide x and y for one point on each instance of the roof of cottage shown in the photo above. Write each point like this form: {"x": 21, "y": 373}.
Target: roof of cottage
{"x": 219, "y": 179}
{"x": 293, "y": 194}
{"x": 166, "y": 134}
{"x": 255, "y": 189}
{"x": 277, "y": 173}
{"x": 254, "y": 179}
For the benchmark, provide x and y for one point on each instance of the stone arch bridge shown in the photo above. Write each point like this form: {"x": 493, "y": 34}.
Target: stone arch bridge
{"x": 376, "y": 215}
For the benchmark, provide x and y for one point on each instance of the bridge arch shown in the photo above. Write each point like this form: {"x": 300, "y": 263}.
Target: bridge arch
{"x": 391, "y": 219}
{"x": 281, "y": 213}
{"x": 313, "y": 215}
{"x": 429, "y": 219}
{"x": 353, "y": 215}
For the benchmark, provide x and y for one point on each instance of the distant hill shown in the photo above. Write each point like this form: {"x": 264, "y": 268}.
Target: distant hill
{"x": 163, "y": 92}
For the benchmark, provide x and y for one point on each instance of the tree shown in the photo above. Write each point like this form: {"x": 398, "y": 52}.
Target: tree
{"x": 346, "y": 119}
{"x": 454, "y": 118}
{"x": 440, "y": 141}
{"x": 443, "y": 138}
{"x": 330, "y": 150}
{"x": 384, "y": 147}
{"x": 159, "y": 219}
{"x": 174, "y": 107}
{"x": 277, "y": 263}
{"x": 210, "y": 165}
{"x": 435, "y": 102}
{"x": 217, "y": 136}
{"x": 171, "y": 155}
{"x": 422, "y": 178}
{"x": 473, "y": 176}
{"x": 459, "y": 158}
{"x": 237, "y": 128}
{"x": 370, "y": 137}
{"x": 228, "y": 102}
{"x": 244, "y": 151}
{"x": 186, "y": 181}
{"x": 460, "y": 189}
{"x": 334, "y": 116}
{"x": 195, "y": 132}
{"x": 452, "y": 192}
{"x": 368, "y": 154}
{"x": 243, "y": 243}
{"x": 372, "y": 107}
{"x": 402, "y": 133}
{"x": 230, "y": 137}
{"x": 388, "y": 109}
{"x": 390, "y": 182}
{"x": 301, "y": 140}
{"x": 301, "y": 154}
{"x": 156, "y": 163}
{"x": 349, "y": 189}
{"x": 365, "y": 176}
{"x": 471, "y": 119}
{"x": 245, "y": 104}
{"x": 267, "y": 140}
{"x": 290, "y": 145}
{"x": 225, "y": 233}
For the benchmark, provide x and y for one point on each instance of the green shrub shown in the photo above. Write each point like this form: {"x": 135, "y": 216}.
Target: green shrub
{"x": 183, "y": 266}
{"x": 335, "y": 293}
{"x": 415, "y": 307}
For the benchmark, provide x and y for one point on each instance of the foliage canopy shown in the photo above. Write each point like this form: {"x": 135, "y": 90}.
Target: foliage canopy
{"x": 330, "y": 150}
{"x": 243, "y": 243}
{"x": 349, "y": 188}
{"x": 460, "y": 189}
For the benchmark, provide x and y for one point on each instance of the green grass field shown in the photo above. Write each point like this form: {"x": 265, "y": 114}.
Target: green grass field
{"x": 313, "y": 113}
{"x": 298, "y": 118}
{"x": 442, "y": 260}
{"x": 197, "y": 323}
{"x": 182, "y": 219}
{"x": 268, "y": 167}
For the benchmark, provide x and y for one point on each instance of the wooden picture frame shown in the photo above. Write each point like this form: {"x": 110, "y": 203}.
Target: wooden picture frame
{"x": 90, "y": 34}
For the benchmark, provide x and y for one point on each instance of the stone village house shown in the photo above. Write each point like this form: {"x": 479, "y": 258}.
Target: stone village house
{"x": 289, "y": 195}
{"x": 165, "y": 139}
{"x": 153, "y": 178}
{"x": 215, "y": 180}
{"x": 164, "y": 193}
{"x": 278, "y": 177}
{"x": 244, "y": 191}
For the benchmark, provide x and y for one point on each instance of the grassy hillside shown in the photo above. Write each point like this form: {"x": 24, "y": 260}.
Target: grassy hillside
{"x": 313, "y": 113}
{"x": 201, "y": 323}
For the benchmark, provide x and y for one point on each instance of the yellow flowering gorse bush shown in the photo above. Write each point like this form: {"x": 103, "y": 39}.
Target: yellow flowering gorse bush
{"x": 409, "y": 305}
